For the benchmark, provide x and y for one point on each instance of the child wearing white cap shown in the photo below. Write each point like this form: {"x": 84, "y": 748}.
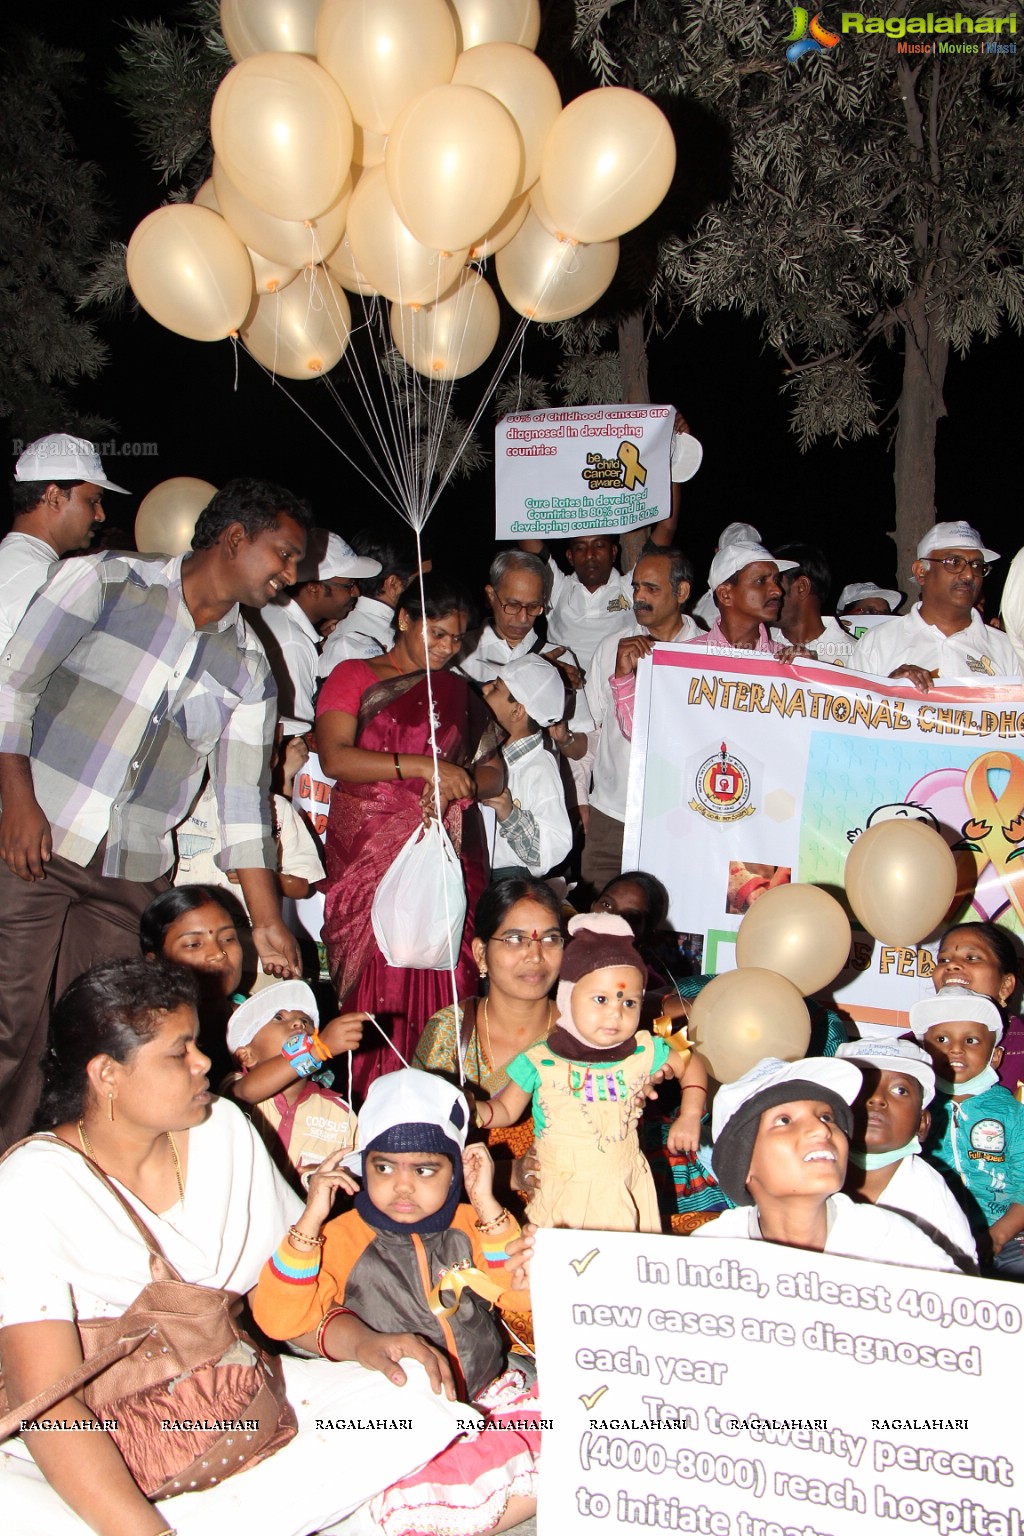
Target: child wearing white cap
{"x": 781, "y": 1137}
{"x": 585, "y": 1083}
{"x": 286, "y": 1075}
{"x": 891, "y": 1119}
{"x": 413, "y": 1256}
{"x": 534, "y": 832}
{"x": 977, "y": 1133}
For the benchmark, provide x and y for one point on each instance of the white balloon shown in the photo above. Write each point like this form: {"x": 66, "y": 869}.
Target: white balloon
{"x": 302, "y": 332}
{"x": 386, "y": 255}
{"x": 449, "y": 339}
{"x": 269, "y": 26}
{"x": 292, "y": 242}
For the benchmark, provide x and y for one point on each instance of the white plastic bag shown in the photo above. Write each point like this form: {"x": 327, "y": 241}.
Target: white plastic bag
{"x": 411, "y": 921}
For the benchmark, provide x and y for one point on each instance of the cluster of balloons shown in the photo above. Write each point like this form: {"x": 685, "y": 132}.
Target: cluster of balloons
{"x": 900, "y": 880}
{"x": 382, "y": 147}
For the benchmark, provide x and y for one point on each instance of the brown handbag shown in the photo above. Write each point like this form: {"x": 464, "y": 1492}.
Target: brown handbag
{"x": 189, "y": 1397}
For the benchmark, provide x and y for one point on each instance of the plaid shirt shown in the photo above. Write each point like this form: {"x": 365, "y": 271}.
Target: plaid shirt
{"x": 120, "y": 703}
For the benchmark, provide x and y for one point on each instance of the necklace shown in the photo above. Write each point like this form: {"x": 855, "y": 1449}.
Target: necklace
{"x": 489, "y": 1053}
{"x": 83, "y": 1137}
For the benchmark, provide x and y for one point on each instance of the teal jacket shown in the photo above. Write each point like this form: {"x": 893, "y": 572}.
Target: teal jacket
{"x": 979, "y": 1147}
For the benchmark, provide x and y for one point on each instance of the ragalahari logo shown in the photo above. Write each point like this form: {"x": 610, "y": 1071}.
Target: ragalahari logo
{"x": 809, "y": 35}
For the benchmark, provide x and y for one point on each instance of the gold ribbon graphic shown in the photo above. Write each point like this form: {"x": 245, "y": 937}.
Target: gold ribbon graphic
{"x": 1006, "y": 813}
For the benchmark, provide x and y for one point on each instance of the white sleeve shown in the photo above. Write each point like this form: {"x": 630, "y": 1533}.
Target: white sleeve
{"x": 1012, "y": 606}
{"x": 300, "y": 853}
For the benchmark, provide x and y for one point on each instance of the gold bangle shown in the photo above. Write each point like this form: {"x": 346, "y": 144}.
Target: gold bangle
{"x": 295, "y": 1236}
{"x": 485, "y": 1228}
{"x": 398, "y": 766}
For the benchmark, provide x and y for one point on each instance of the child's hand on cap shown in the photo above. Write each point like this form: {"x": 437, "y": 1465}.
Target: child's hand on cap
{"x": 323, "y": 1186}
{"x": 343, "y": 1033}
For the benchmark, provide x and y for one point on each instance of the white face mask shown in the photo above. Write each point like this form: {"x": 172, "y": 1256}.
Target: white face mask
{"x": 988, "y": 1077}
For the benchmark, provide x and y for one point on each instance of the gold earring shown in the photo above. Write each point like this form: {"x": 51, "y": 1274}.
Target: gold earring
{"x": 110, "y": 1106}
{"x": 483, "y": 970}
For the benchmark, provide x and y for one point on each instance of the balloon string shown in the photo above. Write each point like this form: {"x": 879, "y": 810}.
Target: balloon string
{"x": 386, "y": 1037}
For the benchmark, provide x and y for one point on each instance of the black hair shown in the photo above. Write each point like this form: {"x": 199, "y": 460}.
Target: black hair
{"x": 999, "y": 942}
{"x": 109, "y": 1010}
{"x": 256, "y": 504}
{"x": 27, "y": 494}
{"x": 499, "y": 898}
{"x": 173, "y": 903}
{"x": 811, "y": 563}
{"x": 440, "y": 598}
{"x": 397, "y": 557}
{"x": 655, "y": 895}
{"x": 680, "y": 565}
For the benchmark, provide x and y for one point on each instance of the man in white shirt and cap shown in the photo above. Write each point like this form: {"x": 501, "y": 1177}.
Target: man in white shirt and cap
{"x": 290, "y": 630}
{"x": 865, "y": 597}
{"x": 746, "y": 580}
{"x": 534, "y": 833}
{"x": 57, "y": 503}
{"x": 943, "y": 636}
{"x": 704, "y": 608}
{"x": 369, "y": 630}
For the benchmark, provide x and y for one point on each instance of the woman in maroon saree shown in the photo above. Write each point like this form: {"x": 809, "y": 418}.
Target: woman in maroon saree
{"x": 373, "y": 738}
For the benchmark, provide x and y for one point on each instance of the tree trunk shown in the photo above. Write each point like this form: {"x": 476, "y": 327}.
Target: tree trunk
{"x": 925, "y": 355}
{"x": 635, "y": 390}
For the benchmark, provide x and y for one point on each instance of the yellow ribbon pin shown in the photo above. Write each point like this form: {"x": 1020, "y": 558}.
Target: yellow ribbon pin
{"x": 634, "y": 472}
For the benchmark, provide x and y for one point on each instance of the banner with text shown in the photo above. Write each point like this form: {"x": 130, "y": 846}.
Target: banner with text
{"x": 582, "y": 470}
{"x": 747, "y": 774}
{"x": 746, "y": 1389}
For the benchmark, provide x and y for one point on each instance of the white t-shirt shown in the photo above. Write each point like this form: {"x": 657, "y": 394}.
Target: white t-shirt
{"x": 580, "y": 620}
{"x": 491, "y": 652}
{"x": 292, "y": 646}
{"x": 535, "y": 784}
{"x": 854, "y": 1231}
{"x": 369, "y": 630}
{"x": 25, "y": 563}
{"x": 976, "y": 651}
{"x": 920, "y": 1193}
{"x": 611, "y": 755}
{"x": 835, "y": 644}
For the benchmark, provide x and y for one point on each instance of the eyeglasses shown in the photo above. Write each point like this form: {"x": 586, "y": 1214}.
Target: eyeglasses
{"x": 954, "y": 564}
{"x": 519, "y": 940}
{"x": 513, "y": 610}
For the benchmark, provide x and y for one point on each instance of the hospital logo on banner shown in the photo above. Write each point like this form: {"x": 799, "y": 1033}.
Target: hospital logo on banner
{"x": 722, "y": 787}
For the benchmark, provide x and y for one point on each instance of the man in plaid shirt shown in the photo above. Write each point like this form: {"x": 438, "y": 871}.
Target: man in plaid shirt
{"x": 127, "y": 678}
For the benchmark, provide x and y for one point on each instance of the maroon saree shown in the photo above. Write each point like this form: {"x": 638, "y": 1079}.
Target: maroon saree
{"x": 367, "y": 825}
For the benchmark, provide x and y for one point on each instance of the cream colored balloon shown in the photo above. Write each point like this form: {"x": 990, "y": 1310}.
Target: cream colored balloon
{"x": 292, "y": 242}
{"x": 190, "y": 272}
{"x": 302, "y": 332}
{"x": 548, "y": 279}
{"x": 368, "y": 147}
{"x": 497, "y": 21}
{"x": 166, "y": 519}
{"x": 452, "y": 338}
{"x": 900, "y": 877}
{"x": 453, "y": 161}
{"x": 206, "y": 197}
{"x": 283, "y": 132}
{"x": 384, "y": 52}
{"x": 270, "y": 276}
{"x": 543, "y": 212}
{"x": 386, "y": 255}
{"x": 507, "y": 226}
{"x": 607, "y": 163}
{"x": 739, "y": 1018}
{"x": 800, "y": 931}
{"x": 526, "y": 89}
{"x": 341, "y": 264}
{"x": 269, "y": 26}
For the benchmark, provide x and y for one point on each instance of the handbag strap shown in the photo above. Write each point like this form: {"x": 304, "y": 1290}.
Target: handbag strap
{"x": 150, "y": 1241}
{"x": 58, "y": 1390}
{"x": 468, "y": 1006}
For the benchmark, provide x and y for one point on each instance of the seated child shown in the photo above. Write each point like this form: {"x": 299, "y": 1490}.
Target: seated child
{"x": 977, "y": 1134}
{"x": 891, "y": 1119}
{"x": 781, "y": 1136}
{"x": 411, "y": 1257}
{"x": 285, "y": 1074}
{"x": 586, "y": 1083}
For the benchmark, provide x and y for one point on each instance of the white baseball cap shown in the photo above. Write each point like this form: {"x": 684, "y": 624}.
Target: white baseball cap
{"x": 893, "y": 1056}
{"x": 687, "y": 456}
{"x": 738, "y": 533}
{"x": 249, "y": 1017}
{"x": 328, "y": 557}
{"x": 537, "y": 686}
{"x": 956, "y": 1005}
{"x": 959, "y": 535}
{"x": 60, "y": 457}
{"x": 859, "y": 591}
{"x": 839, "y": 1077}
{"x": 736, "y": 555}
{"x": 411, "y": 1098}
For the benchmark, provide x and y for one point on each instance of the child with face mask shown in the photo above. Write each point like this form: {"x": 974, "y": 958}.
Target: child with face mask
{"x": 977, "y": 1133}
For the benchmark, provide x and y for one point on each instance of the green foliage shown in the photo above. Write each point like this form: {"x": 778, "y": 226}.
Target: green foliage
{"x": 167, "y": 84}
{"x": 862, "y": 179}
{"x": 51, "y": 232}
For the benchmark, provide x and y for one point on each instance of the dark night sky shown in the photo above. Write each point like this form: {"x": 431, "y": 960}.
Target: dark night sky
{"x": 183, "y": 396}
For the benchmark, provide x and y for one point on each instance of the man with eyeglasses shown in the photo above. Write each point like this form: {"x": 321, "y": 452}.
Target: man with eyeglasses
{"x": 518, "y": 590}
{"x": 943, "y": 636}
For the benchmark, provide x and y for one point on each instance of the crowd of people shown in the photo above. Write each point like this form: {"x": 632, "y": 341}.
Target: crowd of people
{"x": 371, "y": 1184}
